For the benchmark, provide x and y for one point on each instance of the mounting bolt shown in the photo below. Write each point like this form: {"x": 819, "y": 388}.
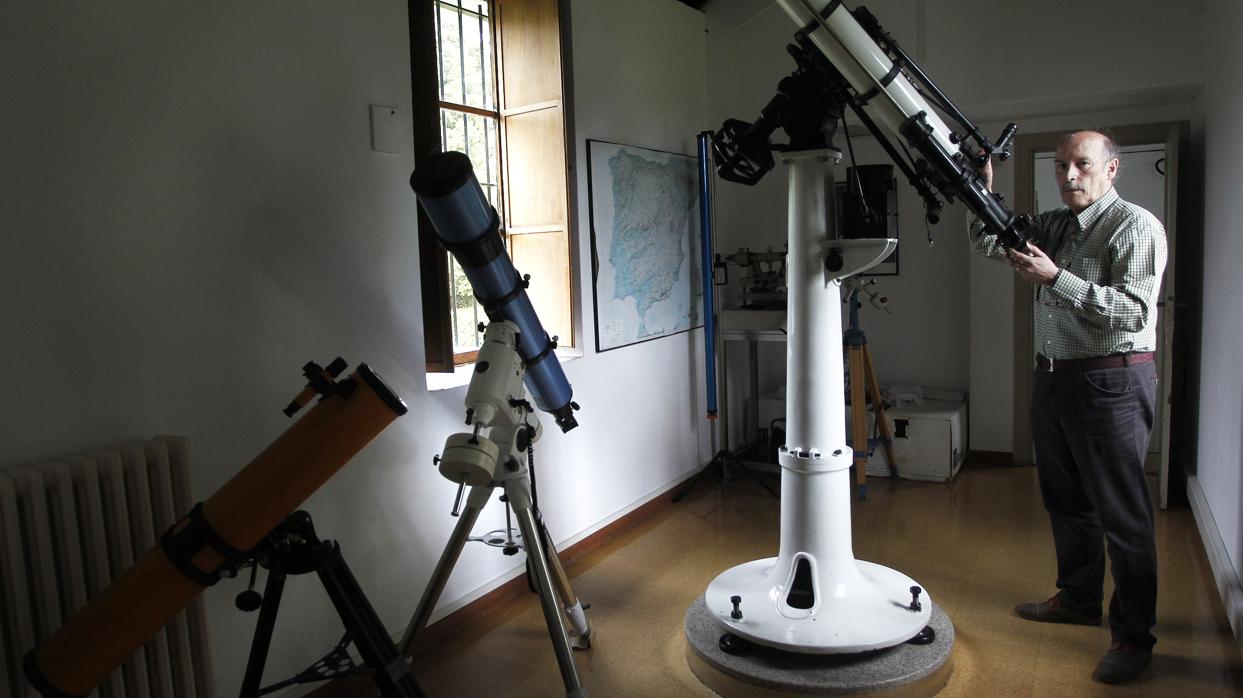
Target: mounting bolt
{"x": 834, "y": 261}
{"x": 736, "y": 614}
{"x": 915, "y": 605}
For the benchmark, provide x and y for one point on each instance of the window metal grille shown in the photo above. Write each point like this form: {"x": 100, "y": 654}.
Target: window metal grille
{"x": 469, "y": 123}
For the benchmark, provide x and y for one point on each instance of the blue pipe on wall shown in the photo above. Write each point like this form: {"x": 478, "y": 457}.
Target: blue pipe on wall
{"x": 705, "y": 245}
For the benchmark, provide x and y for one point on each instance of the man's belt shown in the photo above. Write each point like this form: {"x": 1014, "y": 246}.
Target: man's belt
{"x": 1111, "y": 361}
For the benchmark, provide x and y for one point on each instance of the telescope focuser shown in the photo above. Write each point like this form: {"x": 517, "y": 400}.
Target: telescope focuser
{"x": 320, "y": 381}
{"x": 564, "y": 417}
{"x": 1001, "y": 148}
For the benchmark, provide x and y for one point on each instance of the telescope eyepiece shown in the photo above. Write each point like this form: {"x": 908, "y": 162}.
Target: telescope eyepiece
{"x": 564, "y": 417}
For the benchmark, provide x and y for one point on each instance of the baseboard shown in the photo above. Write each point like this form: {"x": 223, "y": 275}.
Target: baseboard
{"x": 1224, "y": 574}
{"x": 988, "y": 459}
{"x": 487, "y": 605}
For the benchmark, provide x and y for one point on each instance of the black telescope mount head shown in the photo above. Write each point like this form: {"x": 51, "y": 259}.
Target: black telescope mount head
{"x": 805, "y": 107}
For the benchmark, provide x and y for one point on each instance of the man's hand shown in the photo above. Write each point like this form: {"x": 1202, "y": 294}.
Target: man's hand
{"x": 1032, "y": 265}
{"x": 986, "y": 171}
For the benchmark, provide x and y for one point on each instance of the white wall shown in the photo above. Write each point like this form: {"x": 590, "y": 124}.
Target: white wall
{"x": 1218, "y": 482}
{"x": 952, "y": 319}
{"x": 191, "y": 211}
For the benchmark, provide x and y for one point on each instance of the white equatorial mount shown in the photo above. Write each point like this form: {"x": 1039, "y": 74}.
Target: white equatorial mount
{"x": 496, "y": 404}
{"x": 815, "y": 597}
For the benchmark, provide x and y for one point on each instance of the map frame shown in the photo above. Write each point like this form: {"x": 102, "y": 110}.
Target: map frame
{"x": 596, "y": 150}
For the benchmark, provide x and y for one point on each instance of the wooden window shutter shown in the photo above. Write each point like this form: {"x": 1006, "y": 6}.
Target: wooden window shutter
{"x": 534, "y": 155}
{"x": 433, "y": 260}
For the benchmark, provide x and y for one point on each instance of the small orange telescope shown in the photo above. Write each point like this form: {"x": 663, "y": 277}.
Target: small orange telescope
{"x": 217, "y": 533}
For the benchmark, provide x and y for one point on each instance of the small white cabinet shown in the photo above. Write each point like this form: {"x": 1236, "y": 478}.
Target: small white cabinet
{"x": 929, "y": 441}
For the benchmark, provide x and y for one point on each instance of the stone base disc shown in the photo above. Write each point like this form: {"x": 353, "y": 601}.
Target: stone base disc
{"x": 766, "y": 672}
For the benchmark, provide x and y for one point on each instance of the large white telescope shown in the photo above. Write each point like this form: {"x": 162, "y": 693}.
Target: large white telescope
{"x": 814, "y": 597}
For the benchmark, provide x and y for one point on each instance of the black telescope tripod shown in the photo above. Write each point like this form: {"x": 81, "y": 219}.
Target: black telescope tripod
{"x": 293, "y": 548}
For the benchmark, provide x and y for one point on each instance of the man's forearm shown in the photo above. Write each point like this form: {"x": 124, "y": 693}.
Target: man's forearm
{"x": 1124, "y": 308}
{"x": 982, "y": 242}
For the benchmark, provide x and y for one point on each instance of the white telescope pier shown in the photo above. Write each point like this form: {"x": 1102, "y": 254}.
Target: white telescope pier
{"x": 815, "y": 597}
{"x": 813, "y": 619}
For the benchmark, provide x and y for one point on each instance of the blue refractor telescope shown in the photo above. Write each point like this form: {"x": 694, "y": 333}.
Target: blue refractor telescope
{"x": 467, "y": 225}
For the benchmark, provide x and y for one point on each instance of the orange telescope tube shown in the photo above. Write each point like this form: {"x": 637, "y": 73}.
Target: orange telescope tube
{"x": 84, "y": 651}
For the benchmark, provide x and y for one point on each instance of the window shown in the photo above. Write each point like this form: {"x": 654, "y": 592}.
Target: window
{"x": 488, "y": 82}
{"x": 469, "y": 123}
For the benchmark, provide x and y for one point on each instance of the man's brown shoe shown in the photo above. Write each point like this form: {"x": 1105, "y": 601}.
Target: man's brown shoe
{"x": 1121, "y": 663}
{"x": 1053, "y": 611}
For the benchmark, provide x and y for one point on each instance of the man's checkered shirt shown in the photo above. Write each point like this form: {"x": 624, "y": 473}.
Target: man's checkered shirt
{"x": 1104, "y": 298}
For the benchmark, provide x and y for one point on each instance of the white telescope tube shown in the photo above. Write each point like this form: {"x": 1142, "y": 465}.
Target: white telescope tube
{"x": 864, "y": 65}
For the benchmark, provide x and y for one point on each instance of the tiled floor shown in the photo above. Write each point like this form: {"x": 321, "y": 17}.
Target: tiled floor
{"x": 978, "y": 545}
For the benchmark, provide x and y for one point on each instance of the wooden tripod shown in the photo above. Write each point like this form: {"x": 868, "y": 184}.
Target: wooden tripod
{"x": 863, "y": 377}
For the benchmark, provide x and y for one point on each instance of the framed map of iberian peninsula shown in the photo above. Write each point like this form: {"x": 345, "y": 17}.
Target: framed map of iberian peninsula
{"x": 644, "y": 243}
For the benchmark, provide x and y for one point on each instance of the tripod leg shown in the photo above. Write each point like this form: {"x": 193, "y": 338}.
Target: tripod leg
{"x": 878, "y": 408}
{"x": 262, "y": 641}
{"x": 519, "y": 492}
{"x": 747, "y": 469}
{"x": 858, "y": 416}
{"x": 753, "y": 419}
{"x": 475, "y": 502}
{"x": 390, "y": 668}
{"x": 581, "y": 636}
{"x": 715, "y": 462}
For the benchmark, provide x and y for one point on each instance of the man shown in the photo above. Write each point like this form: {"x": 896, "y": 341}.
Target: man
{"x": 1097, "y": 266}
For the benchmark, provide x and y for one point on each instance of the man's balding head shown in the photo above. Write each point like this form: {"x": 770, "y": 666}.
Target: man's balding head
{"x": 1085, "y": 165}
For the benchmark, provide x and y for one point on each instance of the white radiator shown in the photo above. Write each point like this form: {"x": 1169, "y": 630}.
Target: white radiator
{"x": 69, "y": 526}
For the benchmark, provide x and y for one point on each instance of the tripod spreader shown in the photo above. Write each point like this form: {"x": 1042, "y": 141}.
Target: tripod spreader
{"x": 292, "y": 549}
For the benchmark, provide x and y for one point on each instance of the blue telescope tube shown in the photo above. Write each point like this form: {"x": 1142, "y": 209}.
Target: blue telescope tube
{"x": 467, "y": 226}
{"x": 705, "y": 267}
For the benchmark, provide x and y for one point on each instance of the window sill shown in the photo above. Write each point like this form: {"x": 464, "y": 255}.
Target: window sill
{"x": 461, "y": 374}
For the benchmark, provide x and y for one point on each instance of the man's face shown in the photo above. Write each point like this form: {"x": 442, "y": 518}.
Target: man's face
{"x": 1083, "y": 174}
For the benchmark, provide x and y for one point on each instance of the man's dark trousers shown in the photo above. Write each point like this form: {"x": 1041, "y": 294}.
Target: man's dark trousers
{"x": 1091, "y": 430}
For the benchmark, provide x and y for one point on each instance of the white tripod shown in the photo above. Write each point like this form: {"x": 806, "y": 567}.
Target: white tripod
{"x": 496, "y": 401}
